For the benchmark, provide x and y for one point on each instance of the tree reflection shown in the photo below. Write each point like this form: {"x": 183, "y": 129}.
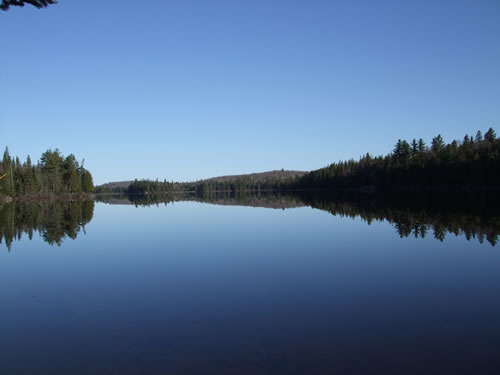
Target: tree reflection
{"x": 416, "y": 215}
{"x": 54, "y": 220}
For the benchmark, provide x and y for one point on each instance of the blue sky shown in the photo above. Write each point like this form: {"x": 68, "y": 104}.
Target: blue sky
{"x": 185, "y": 90}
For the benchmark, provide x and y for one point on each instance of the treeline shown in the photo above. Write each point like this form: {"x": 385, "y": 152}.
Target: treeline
{"x": 240, "y": 184}
{"x": 150, "y": 187}
{"x": 237, "y": 184}
{"x": 472, "y": 163}
{"x": 54, "y": 173}
{"x": 54, "y": 220}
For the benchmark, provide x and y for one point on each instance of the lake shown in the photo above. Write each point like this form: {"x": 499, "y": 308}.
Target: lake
{"x": 248, "y": 286}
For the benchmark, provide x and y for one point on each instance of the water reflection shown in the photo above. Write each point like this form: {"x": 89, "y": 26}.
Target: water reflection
{"x": 54, "y": 220}
{"x": 417, "y": 215}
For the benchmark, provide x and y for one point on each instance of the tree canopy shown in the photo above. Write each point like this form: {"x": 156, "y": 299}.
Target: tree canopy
{"x": 53, "y": 174}
{"x": 20, "y": 3}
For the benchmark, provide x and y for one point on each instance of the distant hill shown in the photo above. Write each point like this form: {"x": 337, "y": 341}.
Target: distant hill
{"x": 115, "y": 185}
{"x": 258, "y": 177}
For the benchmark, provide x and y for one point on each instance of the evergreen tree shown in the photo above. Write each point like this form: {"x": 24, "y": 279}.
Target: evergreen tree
{"x": 7, "y": 181}
{"x": 52, "y": 164}
{"x": 421, "y": 145}
{"x": 28, "y": 176}
{"x": 414, "y": 148}
{"x": 71, "y": 179}
{"x": 87, "y": 182}
{"x": 54, "y": 174}
{"x": 437, "y": 144}
{"x": 490, "y": 135}
{"x": 479, "y": 136}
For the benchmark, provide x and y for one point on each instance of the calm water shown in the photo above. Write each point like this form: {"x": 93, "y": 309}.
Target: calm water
{"x": 196, "y": 288}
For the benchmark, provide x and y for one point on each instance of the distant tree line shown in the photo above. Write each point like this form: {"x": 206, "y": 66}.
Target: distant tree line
{"x": 140, "y": 187}
{"x": 237, "y": 184}
{"x": 232, "y": 185}
{"x": 54, "y": 173}
{"x": 240, "y": 184}
{"x": 472, "y": 163}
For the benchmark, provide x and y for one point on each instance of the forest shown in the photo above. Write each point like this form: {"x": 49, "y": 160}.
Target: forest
{"x": 54, "y": 173}
{"x": 473, "y": 163}
{"x": 470, "y": 164}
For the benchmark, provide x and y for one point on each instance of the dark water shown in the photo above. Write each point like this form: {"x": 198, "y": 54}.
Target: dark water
{"x": 196, "y": 288}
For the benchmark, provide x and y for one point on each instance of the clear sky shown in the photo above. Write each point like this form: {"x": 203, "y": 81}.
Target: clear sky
{"x": 185, "y": 90}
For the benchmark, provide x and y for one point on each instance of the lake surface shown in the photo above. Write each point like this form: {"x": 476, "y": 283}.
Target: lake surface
{"x": 189, "y": 287}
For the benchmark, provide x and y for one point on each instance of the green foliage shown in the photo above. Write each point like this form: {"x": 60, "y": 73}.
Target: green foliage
{"x": 437, "y": 144}
{"x": 6, "y": 172}
{"x": 87, "y": 182}
{"x": 141, "y": 187}
{"x": 54, "y": 174}
{"x": 490, "y": 135}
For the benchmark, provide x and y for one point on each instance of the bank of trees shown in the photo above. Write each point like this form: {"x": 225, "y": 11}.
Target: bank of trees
{"x": 241, "y": 184}
{"x": 150, "y": 187}
{"x": 471, "y": 163}
{"x": 54, "y": 173}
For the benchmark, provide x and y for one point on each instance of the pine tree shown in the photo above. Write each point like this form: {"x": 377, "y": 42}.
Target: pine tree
{"x": 479, "y": 136}
{"x": 414, "y": 148}
{"x": 51, "y": 162}
{"x": 28, "y": 176}
{"x": 437, "y": 144}
{"x": 87, "y": 182}
{"x": 421, "y": 145}
{"x": 490, "y": 135}
{"x": 7, "y": 181}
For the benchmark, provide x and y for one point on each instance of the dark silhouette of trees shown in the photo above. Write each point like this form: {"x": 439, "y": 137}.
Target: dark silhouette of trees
{"x": 470, "y": 164}
{"x": 490, "y": 135}
{"x": 141, "y": 187}
{"x": 20, "y": 3}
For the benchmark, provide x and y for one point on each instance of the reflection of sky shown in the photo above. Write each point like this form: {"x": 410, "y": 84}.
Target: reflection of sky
{"x": 204, "y": 281}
